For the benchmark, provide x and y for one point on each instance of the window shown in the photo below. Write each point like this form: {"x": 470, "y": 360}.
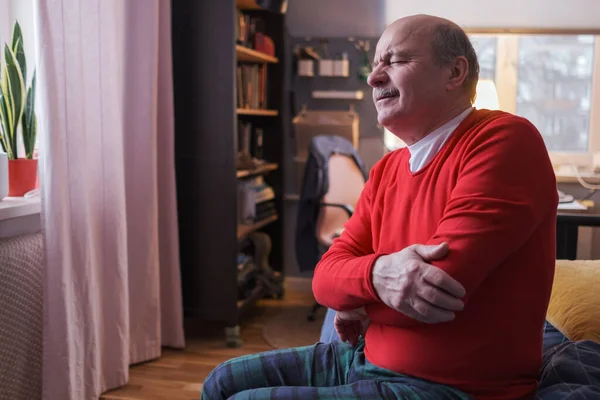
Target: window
{"x": 553, "y": 80}
{"x": 485, "y": 47}
{"x": 549, "y": 79}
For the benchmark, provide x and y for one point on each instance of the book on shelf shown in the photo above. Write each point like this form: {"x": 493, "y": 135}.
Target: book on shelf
{"x": 252, "y": 86}
{"x": 256, "y": 200}
{"x": 250, "y": 33}
{"x": 265, "y": 210}
{"x": 244, "y": 136}
{"x": 244, "y": 28}
{"x": 250, "y": 146}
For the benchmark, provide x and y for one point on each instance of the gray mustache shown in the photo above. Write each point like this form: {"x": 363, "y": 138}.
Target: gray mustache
{"x": 385, "y": 92}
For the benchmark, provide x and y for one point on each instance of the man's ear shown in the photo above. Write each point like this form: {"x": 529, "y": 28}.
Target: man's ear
{"x": 459, "y": 70}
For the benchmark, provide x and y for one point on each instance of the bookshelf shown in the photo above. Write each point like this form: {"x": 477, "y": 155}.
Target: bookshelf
{"x": 248, "y": 55}
{"x": 228, "y": 92}
{"x": 245, "y": 229}
{"x": 261, "y": 169}
{"x": 253, "y": 111}
{"x": 247, "y": 5}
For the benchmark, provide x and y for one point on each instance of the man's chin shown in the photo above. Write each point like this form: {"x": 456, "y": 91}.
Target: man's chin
{"x": 385, "y": 119}
{"x": 388, "y": 117}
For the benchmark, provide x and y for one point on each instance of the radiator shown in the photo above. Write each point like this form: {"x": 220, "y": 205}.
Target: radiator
{"x": 21, "y": 317}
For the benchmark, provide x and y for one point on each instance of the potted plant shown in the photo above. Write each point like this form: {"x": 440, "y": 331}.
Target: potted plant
{"x": 17, "y": 107}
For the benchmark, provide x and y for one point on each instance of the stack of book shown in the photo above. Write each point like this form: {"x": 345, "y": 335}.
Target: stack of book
{"x": 264, "y": 196}
{"x": 252, "y": 86}
{"x": 257, "y": 200}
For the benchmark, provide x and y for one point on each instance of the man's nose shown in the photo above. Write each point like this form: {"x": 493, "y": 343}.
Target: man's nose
{"x": 377, "y": 78}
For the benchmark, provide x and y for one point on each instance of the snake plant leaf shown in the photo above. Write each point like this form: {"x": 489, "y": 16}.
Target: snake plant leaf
{"x": 4, "y": 127}
{"x": 29, "y": 121}
{"x": 17, "y": 46}
{"x": 13, "y": 90}
{"x": 6, "y": 101}
{"x": 6, "y": 115}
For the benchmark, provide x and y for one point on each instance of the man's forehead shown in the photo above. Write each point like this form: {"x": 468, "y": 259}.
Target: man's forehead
{"x": 394, "y": 41}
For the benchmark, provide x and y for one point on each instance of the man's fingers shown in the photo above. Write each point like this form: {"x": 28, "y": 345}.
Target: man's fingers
{"x": 431, "y": 252}
{"x": 365, "y": 325}
{"x": 431, "y": 314}
{"x": 348, "y": 331}
{"x": 438, "y": 278}
{"x": 341, "y": 333}
{"x": 354, "y": 334}
{"x": 439, "y": 298}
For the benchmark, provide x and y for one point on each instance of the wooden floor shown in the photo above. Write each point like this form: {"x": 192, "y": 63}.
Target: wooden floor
{"x": 178, "y": 374}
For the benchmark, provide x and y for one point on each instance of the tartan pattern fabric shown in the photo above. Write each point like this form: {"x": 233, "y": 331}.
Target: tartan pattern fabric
{"x": 552, "y": 337}
{"x": 332, "y": 371}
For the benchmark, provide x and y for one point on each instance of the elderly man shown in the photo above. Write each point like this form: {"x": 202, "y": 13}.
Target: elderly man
{"x": 449, "y": 257}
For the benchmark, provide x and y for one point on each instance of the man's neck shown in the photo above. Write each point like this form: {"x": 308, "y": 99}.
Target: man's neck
{"x": 411, "y": 136}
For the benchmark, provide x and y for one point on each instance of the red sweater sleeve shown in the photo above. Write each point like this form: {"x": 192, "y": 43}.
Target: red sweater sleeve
{"x": 506, "y": 188}
{"x": 342, "y": 279}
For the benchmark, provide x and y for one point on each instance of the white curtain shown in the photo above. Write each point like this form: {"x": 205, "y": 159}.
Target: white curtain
{"x": 112, "y": 284}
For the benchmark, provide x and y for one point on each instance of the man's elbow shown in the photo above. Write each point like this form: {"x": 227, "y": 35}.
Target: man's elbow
{"x": 327, "y": 294}
{"x": 322, "y": 290}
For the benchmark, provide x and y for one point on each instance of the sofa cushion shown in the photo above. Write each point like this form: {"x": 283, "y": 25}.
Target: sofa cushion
{"x": 575, "y": 301}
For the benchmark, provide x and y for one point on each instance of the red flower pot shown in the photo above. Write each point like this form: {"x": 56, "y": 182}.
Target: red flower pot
{"x": 22, "y": 175}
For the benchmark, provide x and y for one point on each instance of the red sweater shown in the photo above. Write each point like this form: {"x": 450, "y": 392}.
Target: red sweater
{"x": 490, "y": 193}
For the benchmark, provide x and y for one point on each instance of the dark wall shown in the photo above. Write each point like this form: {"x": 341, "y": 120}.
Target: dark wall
{"x": 335, "y": 18}
{"x": 309, "y": 21}
{"x": 370, "y": 132}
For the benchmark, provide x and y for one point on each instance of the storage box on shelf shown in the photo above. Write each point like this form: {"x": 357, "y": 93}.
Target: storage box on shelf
{"x": 230, "y": 122}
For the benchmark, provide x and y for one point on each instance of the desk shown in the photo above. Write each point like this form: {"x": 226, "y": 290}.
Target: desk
{"x": 567, "y": 231}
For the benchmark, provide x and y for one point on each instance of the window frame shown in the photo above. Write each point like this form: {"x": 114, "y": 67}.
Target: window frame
{"x": 507, "y": 53}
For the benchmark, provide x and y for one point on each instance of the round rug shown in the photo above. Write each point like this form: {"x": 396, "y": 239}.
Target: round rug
{"x": 291, "y": 328}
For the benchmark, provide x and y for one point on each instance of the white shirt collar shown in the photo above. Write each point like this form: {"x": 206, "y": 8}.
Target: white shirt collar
{"x": 425, "y": 149}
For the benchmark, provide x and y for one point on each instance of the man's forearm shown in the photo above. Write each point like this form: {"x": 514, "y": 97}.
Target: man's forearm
{"x": 342, "y": 280}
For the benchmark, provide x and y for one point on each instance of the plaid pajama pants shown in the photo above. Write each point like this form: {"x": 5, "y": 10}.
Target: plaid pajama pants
{"x": 321, "y": 372}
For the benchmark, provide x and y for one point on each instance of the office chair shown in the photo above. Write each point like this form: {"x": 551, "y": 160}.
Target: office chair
{"x": 340, "y": 178}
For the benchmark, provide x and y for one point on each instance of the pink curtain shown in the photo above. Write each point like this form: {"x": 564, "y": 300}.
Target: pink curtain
{"x": 112, "y": 284}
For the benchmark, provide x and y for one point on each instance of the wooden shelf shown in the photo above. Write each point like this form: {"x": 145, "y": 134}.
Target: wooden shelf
{"x": 261, "y": 169}
{"x": 250, "y": 55}
{"x": 245, "y": 229}
{"x": 257, "y": 112}
{"x": 247, "y": 5}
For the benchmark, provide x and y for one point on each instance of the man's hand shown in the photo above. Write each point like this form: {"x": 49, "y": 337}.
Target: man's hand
{"x": 405, "y": 282}
{"x": 351, "y": 324}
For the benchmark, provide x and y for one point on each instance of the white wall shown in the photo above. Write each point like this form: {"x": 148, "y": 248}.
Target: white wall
{"x": 340, "y": 18}
{"x": 22, "y": 11}
{"x": 5, "y": 20}
{"x": 564, "y": 14}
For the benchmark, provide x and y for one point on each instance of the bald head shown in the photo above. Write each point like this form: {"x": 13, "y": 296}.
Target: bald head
{"x": 448, "y": 41}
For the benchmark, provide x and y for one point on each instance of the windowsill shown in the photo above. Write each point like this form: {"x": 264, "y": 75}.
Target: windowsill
{"x": 19, "y": 216}
{"x": 592, "y": 179}
{"x": 14, "y": 207}
{"x": 566, "y": 175}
